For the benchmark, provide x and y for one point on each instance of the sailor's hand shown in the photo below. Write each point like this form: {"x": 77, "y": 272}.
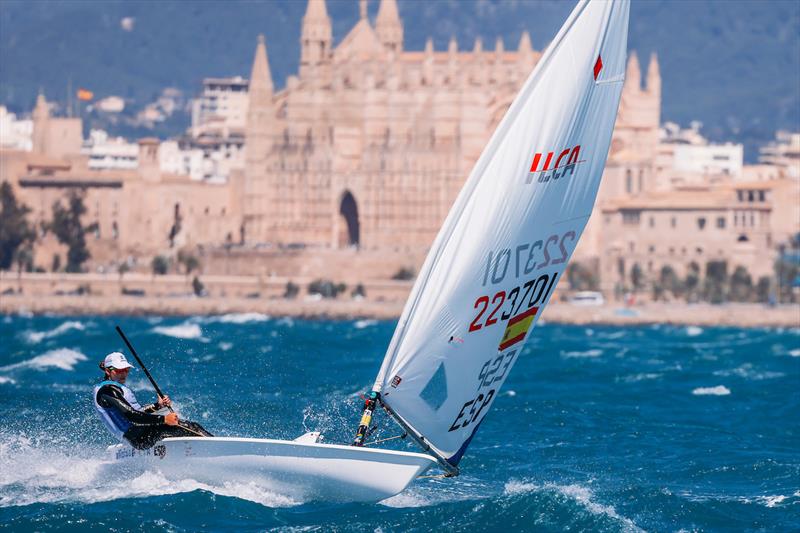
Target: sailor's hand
{"x": 163, "y": 401}
{"x": 171, "y": 419}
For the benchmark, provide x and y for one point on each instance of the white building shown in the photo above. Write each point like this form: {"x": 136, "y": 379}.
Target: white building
{"x": 686, "y": 156}
{"x": 177, "y": 159}
{"x": 221, "y": 108}
{"x": 15, "y": 134}
{"x": 784, "y": 153}
{"x": 110, "y": 152}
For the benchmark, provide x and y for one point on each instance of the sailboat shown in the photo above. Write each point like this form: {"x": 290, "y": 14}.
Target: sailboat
{"x": 484, "y": 285}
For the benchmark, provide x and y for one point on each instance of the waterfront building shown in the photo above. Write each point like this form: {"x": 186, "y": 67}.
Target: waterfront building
{"x": 108, "y": 153}
{"x": 15, "y": 134}
{"x": 783, "y": 153}
{"x": 362, "y": 153}
{"x": 221, "y": 107}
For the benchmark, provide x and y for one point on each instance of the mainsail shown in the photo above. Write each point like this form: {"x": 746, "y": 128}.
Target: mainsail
{"x": 507, "y": 240}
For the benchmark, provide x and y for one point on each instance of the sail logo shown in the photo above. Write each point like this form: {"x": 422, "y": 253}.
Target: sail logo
{"x": 564, "y": 164}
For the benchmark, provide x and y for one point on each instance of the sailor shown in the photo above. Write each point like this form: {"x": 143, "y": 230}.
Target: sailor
{"x": 141, "y": 427}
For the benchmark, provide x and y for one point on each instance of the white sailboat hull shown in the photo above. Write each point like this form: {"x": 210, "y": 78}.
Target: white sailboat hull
{"x": 300, "y": 470}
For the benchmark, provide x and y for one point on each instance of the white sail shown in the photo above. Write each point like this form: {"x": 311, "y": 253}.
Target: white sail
{"x": 508, "y": 238}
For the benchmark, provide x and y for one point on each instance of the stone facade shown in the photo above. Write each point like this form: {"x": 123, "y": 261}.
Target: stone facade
{"x": 361, "y": 155}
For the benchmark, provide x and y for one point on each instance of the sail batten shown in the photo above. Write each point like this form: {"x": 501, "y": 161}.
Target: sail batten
{"x": 505, "y": 243}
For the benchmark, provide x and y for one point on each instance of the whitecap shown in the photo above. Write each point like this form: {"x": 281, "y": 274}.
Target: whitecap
{"x": 62, "y": 358}
{"x": 719, "y": 390}
{"x": 586, "y": 353}
{"x": 771, "y": 501}
{"x": 35, "y": 337}
{"x": 286, "y": 321}
{"x": 635, "y": 378}
{"x": 49, "y": 475}
{"x": 795, "y": 352}
{"x": 181, "y": 331}
{"x": 7, "y": 380}
{"x": 225, "y": 346}
{"x": 582, "y": 495}
{"x": 361, "y": 324}
{"x": 240, "y": 318}
{"x": 747, "y": 371}
{"x": 694, "y": 331}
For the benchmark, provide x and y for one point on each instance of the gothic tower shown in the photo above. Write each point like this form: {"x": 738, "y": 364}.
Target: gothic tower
{"x": 388, "y": 26}
{"x": 316, "y": 38}
{"x": 259, "y": 134}
{"x": 41, "y": 118}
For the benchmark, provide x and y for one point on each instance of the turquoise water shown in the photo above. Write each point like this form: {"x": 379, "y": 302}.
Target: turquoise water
{"x": 597, "y": 429}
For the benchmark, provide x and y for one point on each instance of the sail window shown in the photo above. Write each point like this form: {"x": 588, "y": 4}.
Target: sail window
{"x": 435, "y": 392}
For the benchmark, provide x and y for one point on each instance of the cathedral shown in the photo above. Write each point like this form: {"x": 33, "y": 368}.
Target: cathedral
{"x": 370, "y": 143}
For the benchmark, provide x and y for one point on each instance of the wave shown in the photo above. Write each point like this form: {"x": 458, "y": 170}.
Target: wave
{"x": 747, "y": 371}
{"x": 62, "y": 358}
{"x": 586, "y": 353}
{"x": 180, "y": 331}
{"x": 719, "y": 390}
{"x": 795, "y": 352}
{"x": 7, "y": 380}
{"x": 238, "y": 318}
{"x": 694, "y": 331}
{"x": 35, "y": 337}
{"x": 582, "y": 495}
{"x": 361, "y": 324}
{"x": 635, "y": 378}
{"x": 32, "y": 472}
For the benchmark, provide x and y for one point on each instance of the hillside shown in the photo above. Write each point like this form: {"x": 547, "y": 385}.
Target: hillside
{"x": 734, "y": 64}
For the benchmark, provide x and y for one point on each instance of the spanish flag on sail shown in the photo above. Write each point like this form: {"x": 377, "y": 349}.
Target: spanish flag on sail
{"x": 517, "y": 328}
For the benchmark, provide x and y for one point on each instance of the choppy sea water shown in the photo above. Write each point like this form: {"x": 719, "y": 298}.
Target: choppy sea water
{"x": 597, "y": 429}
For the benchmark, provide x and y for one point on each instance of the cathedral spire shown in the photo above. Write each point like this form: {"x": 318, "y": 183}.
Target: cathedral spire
{"x": 316, "y": 36}
{"x": 429, "y": 47}
{"x": 260, "y": 77}
{"x": 478, "y": 48}
{"x": 633, "y": 75}
{"x": 525, "y": 43}
{"x": 388, "y": 26}
{"x": 259, "y": 95}
{"x": 452, "y": 46}
{"x": 654, "y": 75}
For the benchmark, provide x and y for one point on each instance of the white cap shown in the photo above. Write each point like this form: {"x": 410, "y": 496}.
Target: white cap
{"x": 116, "y": 361}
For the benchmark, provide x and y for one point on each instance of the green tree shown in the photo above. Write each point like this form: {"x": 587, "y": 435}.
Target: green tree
{"x": 692, "y": 282}
{"x": 160, "y": 265}
{"x": 189, "y": 261}
{"x": 787, "y": 272}
{"x": 670, "y": 281}
{"x": 15, "y": 231}
{"x": 658, "y": 290}
{"x": 716, "y": 281}
{"x": 68, "y": 229}
{"x": 637, "y": 277}
{"x": 291, "y": 291}
{"x": 24, "y": 258}
{"x": 741, "y": 289}
{"x": 763, "y": 289}
{"x": 582, "y": 277}
{"x": 56, "y": 265}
